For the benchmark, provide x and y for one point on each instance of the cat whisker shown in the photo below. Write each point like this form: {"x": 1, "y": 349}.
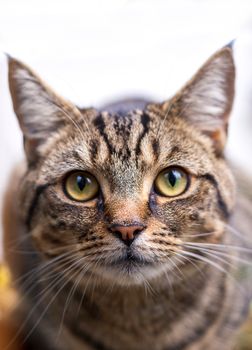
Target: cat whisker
{"x": 238, "y": 234}
{"x": 67, "y": 273}
{"x": 42, "y": 266}
{"x": 176, "y": 267}
{"x": 171, "y": 288}
{"x": 191, "y": 262}
{"x": 206, "y": 259}
{"x": 92, "y": 276}
{"x": 221, "y": 246}
{"x": 30, "y": 286}
{"x": 204, "y": 234}
{"x": 78, "y": 278}
{"x": 52, "y": 299}
{"x": 38, "y": 269}
{"x": 86, "y": 286}
{"x": 220, "y": 253}
{"x": 147, "y": 286}
{"x": 48, "y": 287}
{"x": 181, "y": 260}
{"x": 50, "y": 274}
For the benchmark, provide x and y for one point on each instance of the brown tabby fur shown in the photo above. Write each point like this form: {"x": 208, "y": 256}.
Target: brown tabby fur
{"x": 93, "y": 291}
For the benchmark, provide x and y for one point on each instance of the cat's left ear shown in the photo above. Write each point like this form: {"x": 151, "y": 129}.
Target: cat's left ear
{"x": 206, "y": 100}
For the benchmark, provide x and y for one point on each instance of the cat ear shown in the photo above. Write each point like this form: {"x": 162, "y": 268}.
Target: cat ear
{"x": 206, "y": 100}
{"x": 41, "y": 113}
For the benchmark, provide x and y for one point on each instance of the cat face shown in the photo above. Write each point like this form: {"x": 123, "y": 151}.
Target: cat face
{"x": 124, "y": 196}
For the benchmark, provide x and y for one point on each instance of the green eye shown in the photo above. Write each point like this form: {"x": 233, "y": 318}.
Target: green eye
{"x": 81, "y": 186}
{"x": 171, "y": 182}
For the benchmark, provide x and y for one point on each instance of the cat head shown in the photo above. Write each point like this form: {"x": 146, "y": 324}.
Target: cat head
{"x": 123, "y": 195}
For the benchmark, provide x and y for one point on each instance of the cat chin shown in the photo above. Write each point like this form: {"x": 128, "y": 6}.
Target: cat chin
{"x": 131, "y": 275}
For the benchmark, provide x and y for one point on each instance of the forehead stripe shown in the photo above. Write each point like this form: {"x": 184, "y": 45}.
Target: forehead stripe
{"x": 99, "y": 123}
{"x": 145, "y": 121}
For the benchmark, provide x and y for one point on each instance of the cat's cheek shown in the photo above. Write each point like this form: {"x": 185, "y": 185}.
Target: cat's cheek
{"x": 45, "y": 242}
{"x": 64, "y": 213}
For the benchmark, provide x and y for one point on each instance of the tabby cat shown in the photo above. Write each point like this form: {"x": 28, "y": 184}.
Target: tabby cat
{"x": 124, "y": 229}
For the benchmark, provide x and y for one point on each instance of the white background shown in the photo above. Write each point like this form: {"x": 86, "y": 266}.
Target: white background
{"x": 95, "y": 51}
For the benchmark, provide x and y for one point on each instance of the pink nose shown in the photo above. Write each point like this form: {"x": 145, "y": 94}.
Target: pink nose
{"x": 127, "y": 233}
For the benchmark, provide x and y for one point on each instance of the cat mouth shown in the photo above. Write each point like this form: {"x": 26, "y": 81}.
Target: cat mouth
{"x": 130, "y": 261}
{"x": 129, "y": 268}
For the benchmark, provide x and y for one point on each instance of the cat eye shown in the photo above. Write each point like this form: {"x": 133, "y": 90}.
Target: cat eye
{"x": 81, "y": 186}
{"x": 171, "y": 182}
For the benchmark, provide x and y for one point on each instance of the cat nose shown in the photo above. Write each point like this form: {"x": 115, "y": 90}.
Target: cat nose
{"x": 127, "y": 233}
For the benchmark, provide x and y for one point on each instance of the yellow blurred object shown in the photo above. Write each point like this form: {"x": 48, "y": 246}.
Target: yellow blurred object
{"x": 8, "y": 300}
{"x": 5, "y": 277}
{"x": 8, "y": 295}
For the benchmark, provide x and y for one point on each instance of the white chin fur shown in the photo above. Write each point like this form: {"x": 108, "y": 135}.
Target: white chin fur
{"x": 136, "y": 275}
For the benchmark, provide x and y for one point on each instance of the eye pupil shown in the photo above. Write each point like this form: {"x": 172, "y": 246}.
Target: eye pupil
{"x": 81, "y": 182}
{"x": 172, "y": 178}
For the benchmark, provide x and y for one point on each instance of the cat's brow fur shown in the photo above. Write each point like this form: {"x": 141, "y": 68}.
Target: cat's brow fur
{"x": 162, "y": 300}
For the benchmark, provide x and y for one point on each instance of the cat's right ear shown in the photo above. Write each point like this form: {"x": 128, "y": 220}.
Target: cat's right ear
{"x": 40, "y": 111}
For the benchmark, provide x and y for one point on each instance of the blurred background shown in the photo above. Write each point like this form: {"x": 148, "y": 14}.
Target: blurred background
{"x": 96, "y": 51}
